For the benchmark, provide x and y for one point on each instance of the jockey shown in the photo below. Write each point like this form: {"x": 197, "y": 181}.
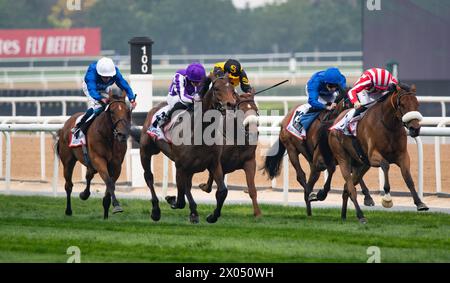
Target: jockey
{"x": 322, "y": 89}
{"x": 183, "y": 91}
{"x": 96, "y": 86}
{"x": 235, "y": 72}
{"x": 373, "y": 84}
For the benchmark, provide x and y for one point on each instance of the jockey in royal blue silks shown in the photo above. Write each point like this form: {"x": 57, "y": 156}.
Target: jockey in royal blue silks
{"x": 99, "y": 78}
{"x": 322, "y": 89}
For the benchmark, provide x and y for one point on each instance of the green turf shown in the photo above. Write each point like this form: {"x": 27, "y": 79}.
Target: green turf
{"x": 35, "y": 229}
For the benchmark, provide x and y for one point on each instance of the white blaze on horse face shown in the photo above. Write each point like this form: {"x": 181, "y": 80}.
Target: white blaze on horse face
{"x": 120, "y": 107}
{"x": 411, "y": 116}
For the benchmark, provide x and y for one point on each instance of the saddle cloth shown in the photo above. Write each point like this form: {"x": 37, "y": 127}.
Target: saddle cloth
{"x": 290, "y": 126}
{"x": 163, "y": 134}
{"x": 306, "y": 121}
{"x": 76, "y": 142}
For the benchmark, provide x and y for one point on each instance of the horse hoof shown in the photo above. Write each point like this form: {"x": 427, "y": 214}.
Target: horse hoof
{"x": 193, "y": 218}
{"x": 321, "y": 195}
{"x": 171, "y": 200}
{"x": 211, "y": 219}
{"x": 363, "y": 220}
{"x": 422, "y": 207}
{"x": 84, "y": 196}
{"x": 68, "y": 212}
{"x": 204, "y": 187}
{"x": 156, "y": 214}
{"x": 370, "y": 202}
{"x": 387, "y": 204}
{"x": 117, "y": 209}
{"x": 312, "y": 197}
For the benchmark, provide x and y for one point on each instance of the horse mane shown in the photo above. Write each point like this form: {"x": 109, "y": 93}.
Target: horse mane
{"x": 205, "y": 85}
{"x": 342, "y": 94}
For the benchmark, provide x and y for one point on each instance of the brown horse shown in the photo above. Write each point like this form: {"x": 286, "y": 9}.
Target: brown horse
{"x": 190, "y": 158}
{"x": 310, "y": 150}
{"x": 383, "y": 141}
{"x": 106, "y": 147}
{"x": 236, "y": 156}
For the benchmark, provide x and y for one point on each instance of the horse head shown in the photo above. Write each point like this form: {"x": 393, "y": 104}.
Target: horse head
{"x": 221, "y": 94}
{"x": 406, "y": 106}
{"x": 120, "y": 115}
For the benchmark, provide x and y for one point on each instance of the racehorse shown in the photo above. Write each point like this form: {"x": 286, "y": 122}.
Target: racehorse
{"x": 106, "y": 147}
{"x": 236, "y": 156}
{"x": 383, "y": 141}
{"x": 190, "y": 158}
{"x": 310, "y": 150}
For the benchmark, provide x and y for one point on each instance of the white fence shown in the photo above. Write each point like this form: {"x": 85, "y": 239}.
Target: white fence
{"x": 52, "y": 128}
{"x": 285, "y": 100}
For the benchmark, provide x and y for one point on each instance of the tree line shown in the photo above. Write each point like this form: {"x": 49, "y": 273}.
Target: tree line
{"x": 201, "y": 26}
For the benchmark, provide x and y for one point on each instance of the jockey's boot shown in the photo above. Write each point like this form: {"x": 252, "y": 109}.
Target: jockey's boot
{"x": 76, "y": 130}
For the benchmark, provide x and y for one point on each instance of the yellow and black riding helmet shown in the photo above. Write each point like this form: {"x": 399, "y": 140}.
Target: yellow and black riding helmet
{"x": 233, "y": 67}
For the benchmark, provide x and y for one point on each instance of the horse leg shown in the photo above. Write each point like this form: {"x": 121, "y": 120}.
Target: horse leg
{"x": 404, "y": 164}
{"x": 301, "y": 177}
{"x": 352, "y": 193}
{"x": 68, "y": 171}
{"x": 322, "y": 194}
{"x": 344, "y": 203}
{"x": 84, "y": 195}
{"x": 148, "y": 176}
{"x": 208, "y": 186}
{"x": 106, "y": 204}
{"x": 250, "y": 170}
{"x": 221, "y": 193}
{"x": 193, "y": 216}
{"x": 368, "y": 200}
{"x": 349, "y": 188}
{"x": 102, "y": 169}
{"x": 313, "y": 177}
{"x": 386, "y": 200}
{"x": 180, "y": 201}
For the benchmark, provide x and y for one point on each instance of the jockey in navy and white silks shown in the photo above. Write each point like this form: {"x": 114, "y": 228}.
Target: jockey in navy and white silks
{"x": 322, "y": 89}
{"x": 183, "y": 90}
{"x": 99, "y": 78}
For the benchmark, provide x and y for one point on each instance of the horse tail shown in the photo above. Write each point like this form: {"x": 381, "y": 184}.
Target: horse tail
{"x": 56, "y": 145}
{"x": 324, "y": 146}
{"x": 272, "y": 162}
{"x": 135, "y": 134}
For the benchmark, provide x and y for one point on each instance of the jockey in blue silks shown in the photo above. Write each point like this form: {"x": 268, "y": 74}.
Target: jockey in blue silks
{"x": 99, "y": 78}
{"x": 322, "y": 89}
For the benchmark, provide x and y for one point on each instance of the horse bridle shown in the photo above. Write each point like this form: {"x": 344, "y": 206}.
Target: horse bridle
{"x": 217, "y": 105}
{"x": 397, "y": 105}
{"x": 115, "y": 132}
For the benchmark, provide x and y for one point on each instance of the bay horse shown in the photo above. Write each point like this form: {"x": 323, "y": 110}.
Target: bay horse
{"x": 237, "y": 156}
{"x": 106, "y": 143}
{"x": 311, "y": 152}
{"x": 190, "y": 158}
{"x": 383, "y": 141}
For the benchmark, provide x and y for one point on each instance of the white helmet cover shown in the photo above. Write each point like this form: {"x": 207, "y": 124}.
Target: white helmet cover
{"x": 106, "y": 67}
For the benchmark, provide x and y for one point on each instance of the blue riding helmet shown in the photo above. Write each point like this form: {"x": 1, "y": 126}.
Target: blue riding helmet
{"x": 195, "y": 72}
{"x": 332, "y": 76}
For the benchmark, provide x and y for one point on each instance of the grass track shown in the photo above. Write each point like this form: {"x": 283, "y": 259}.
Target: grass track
{"x": 35, "y": 229}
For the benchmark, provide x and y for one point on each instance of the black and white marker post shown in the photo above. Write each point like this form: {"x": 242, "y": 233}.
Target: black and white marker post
{"x": 141, "y": 81}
